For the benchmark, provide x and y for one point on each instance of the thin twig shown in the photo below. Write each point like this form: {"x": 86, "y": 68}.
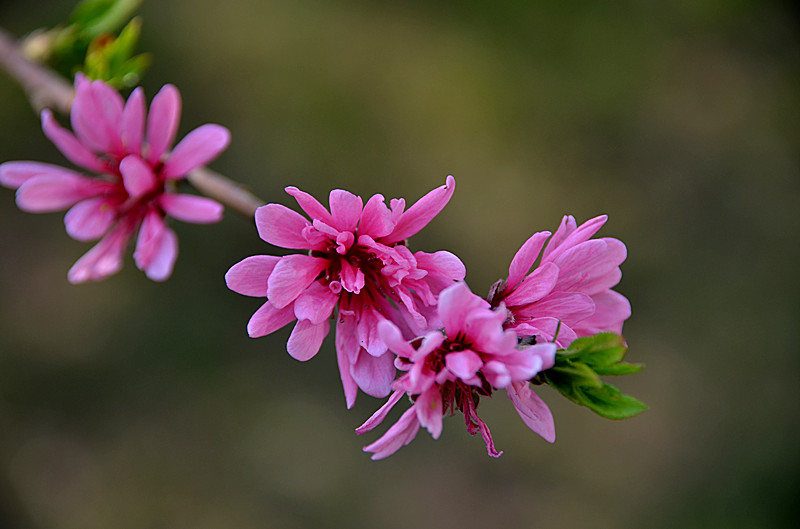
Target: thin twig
{"x": 46, "y": 89}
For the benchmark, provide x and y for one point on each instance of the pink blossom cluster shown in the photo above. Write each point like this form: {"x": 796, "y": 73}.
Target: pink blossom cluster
{"x": 410, "y": 313}
{"x": 132, "y": 190}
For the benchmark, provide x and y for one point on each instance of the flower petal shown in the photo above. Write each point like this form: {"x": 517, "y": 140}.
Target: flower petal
{"x": 156, "y": 248}
{"x": 316, "y": 303}
{"x": 525, "y": 257}
{"x": 291, "y": 276}
{"x": 399, "y": 435}
{"x": 137, "y": 177}
{"x": 463, "y": 364}
{"x": 249, "y": 276}
{"x": 532, "y": 409}
{"x": 306, "y": 339}
{"x": 378, "y": 417}
{"x": 345, "y": 209}
{"x": 199, "y": 147}
{"x": 89, "y": 219}
{"x": 162, "y": 122}
{"x": 131, "y": 125}
{"x": 95, "y": 115}
{"x": 14, "y": 174}
{"x": 281, "y": 226}
{"x": 267, "y": 319}
{"x": 347, "y": 348}
{"x": 191, "y": 208}
{"x": 310, "y": 205}
{"x": 69, "y": 145}
{"x": 535, "y": 286}
{"x": 43, "y": 194}
{"x": 430, "y": 411}
{"x": 422, "y": 212}
{"x": 455, "y": 303}
{"x": 374, "y": 375}
{"x": 376, "y": 219}
{"x": 103, "y": 260}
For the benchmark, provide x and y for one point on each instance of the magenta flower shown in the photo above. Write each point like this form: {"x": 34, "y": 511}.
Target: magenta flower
{"x": 137, "y": 173}
{"x": 569, "y": 291}
{"x": 357, "y": 260}
{"x": 451, "y": 370}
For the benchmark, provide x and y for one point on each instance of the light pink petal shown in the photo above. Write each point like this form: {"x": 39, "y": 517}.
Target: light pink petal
{"x": 95, "y": 115}
{"x": 131, "y": 126}
{"x": 103, "y": 260}
{"x": 156, "y": 248}
{"x": 545, "y": 330}
{"x": 291, "y": 276}
{"x": 399, "y": 435}
{"x": 611, "y": 311}
{"x": 347, "y": 350}
{"x": 430, "y": 411}
{"x": 567, "y": 226}
{"x": 316, "y": 303}
{"x": 352, "y": 278}
{"x": 69, "y": 145}
{"x": 249, "y": 276}
{"x": 394, "y": 340}
{"x": 191, "y": 208}
{"x": 570, "y": 307}
{"x": 374, "y": 375}
{"x": 345, "y": 209}
{"x": 378, "y": 417}
{"x": 14, "y": 174}
{"x": 376, "y": 219}
{"x": 525, "y": 257}
{"x": 455, "y": 303}
{"x": 162, "y": 122}
{"x": 588, "y": 261}
{"x": 532, "y": 409}
{"x": 463, "y": 364}
{"x": 310, "y": 205}
{"x": 485, "y": 330}
{"x": 137, "y": 177}
{"x": 267, "y": 319}
{"x": 443, "y": 264}
{"x": 43, "y": 194}
{"x": 199, "y": 147}
{"x": 575, "y": 236}
{"x": 535, "y": 286}
{"x": 89, "y": 219}
{"x": 422, "y": 212}
{"x": 280, "y": 226}
{"x": 496, "y": 374}
{"x": 306, "y": 339}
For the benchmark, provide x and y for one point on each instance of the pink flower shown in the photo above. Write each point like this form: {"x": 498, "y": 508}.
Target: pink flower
{"x": 137, "y": 174}
{"x": 569, "y": 291}
{"x": 451, "y": 370}
{"x": 357, "y": 260}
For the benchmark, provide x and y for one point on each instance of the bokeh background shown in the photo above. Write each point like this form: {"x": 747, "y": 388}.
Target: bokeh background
{"x": 139, "y": 405}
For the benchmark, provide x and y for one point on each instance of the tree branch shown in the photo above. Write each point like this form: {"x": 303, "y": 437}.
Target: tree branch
{"x": 46, "y": 89}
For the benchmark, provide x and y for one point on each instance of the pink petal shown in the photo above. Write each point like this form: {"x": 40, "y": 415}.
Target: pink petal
{"x": 571, "y": 307}
{"x": 95, "y": 115}
{"x": 611, "y": 311}
{"x": 442, "y": 263}
{"x": 430, "y": 411}
{"x": 345, "y": 209}
{"x": 376, "y": 219}
{"x": 310, "y": 205}
{"x": 532, "y": 409}
{"x": 162, "y": 122}
{"x": 291, "y": 276}
{"x": 69, "y": 146}
{"x": 156, "y": 248}
{"x": 43, "y": 194}
{"x": 249, "y": 276}
{"x": 191, "y": 208}
{"x": 394, "y": 340}
{"x": 352, "y": 278}
{"x": 455, "y": 303}
{"x": 378, "y": 417}
{"x": 422, "y": 212}
{"x": 89, "y": 219}
{"x": 399, "y": 435}
{"x": 463, "y": 364}
{"x": 567, "y": 226}
{"x": 347, "y": 348}
{"x": 306, "y": 339}
{"x": 199, "y": 147}
{"x": 525, "y": 257}
{"x": 588, "y": 261}
{"x": 137, "y": 177}
{"x": 103, "y": 260}
{"x": 575, "y": 236}
{"x": 267, "y": 319}
{"x": 14, "y": 174}
{"x": 374, "y": 375}
{"x": 534, "y": 287}
{"x": 131, "y": 126}
{"x": 316, "y": 303}
{"x": 280, "y": 226}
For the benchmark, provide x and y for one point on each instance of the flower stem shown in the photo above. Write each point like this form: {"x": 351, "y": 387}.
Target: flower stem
{"x": 46, "y": 89}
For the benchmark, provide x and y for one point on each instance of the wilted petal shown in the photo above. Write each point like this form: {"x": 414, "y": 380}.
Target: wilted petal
{"x": 89, "y": 219}
{"x": 306, "y": 339}
{"x": 162, "y": 122}
{"x": 191, "y": 208}
{"x": 280, "y": 226}
{"x": 198, "y": 148}
{"x": 249, "y": 276}
{"x": 532, "y": 409}
{"x": 422, "y": 212}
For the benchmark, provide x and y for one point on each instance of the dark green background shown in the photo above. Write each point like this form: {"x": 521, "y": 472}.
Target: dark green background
{"x": 135, "y": 404}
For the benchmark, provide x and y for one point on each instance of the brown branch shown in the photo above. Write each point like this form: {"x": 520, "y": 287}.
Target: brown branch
{"x": 46, "y": 89}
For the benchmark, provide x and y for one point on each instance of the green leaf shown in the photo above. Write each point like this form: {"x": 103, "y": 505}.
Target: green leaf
{"x": 95, "y": 17}
{"x": 611, "y": 403}
{"x": 621, "y": 368}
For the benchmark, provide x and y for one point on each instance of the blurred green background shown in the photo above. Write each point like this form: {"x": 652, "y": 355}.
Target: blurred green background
{"x": 134, "y": 404}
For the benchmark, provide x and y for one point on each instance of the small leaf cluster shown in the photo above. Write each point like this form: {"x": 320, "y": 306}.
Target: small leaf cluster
{"x": 577, "y": 371}
{"x": 89, "y": 43}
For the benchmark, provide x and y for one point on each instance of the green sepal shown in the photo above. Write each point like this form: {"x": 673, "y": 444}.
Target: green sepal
{"x": 96, "y": 17}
